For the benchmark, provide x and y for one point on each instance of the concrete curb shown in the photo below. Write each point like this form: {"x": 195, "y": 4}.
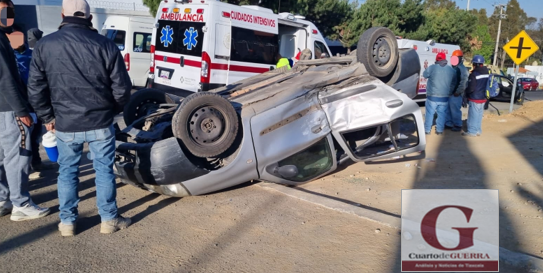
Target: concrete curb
{"x": 381, "y": 218}
{"x": 515, "y": 259}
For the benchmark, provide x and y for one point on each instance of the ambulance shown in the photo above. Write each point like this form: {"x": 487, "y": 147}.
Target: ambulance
{"x": 199, "y": 45}
{"x": 427, "y": 52}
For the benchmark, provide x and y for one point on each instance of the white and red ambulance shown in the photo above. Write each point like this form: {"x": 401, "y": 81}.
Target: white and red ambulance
{"x": 427, "y": 52}
{"x": 198, "y": 45}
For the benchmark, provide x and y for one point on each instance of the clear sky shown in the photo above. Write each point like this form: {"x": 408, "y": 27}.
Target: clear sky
{"x": 533, "y": 8}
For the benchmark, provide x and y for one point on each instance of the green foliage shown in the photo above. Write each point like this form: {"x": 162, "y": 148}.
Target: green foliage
{"x": 451, "y": 26}
{"x": 402, "y": 18}
{"x": 153, "y": 6}
{"x": 481, "y": 43}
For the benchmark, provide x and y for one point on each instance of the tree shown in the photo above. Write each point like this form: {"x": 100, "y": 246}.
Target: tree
{"x": 153, "y": 6}
{"x": 440, "y": 4}
{"x": 516, "y": 21}
{"x": 401, "y": 18}
{"x": 481, "y": 43}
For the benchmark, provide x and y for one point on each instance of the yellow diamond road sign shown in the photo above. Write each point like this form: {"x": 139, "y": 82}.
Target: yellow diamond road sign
{"x": 521, "y": 47}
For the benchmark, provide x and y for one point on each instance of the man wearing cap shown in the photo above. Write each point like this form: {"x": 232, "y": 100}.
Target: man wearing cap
{"x": 476, "y": 95}
{"x": 15, "y": 126}
{"x": 441, "y": 82}
{"x": 78, "y": 82}
{"x": 33, "y": 36}
{"x": 454, "y": 117}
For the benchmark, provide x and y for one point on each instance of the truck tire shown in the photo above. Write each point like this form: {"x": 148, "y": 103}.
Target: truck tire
{"x": 378, "y": 50}
{"x": 142, "y": 103}
{"x": 206, "y": 123}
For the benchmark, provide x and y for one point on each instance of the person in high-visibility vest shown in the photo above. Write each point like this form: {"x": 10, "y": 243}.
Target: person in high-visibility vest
{"x": 282, "y": 62}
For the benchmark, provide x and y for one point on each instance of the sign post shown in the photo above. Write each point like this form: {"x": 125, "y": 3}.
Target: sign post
{"x": 519, "y": 49}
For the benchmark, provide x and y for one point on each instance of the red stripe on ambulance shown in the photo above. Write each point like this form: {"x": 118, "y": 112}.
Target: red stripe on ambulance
{"x": 236, "y": 68}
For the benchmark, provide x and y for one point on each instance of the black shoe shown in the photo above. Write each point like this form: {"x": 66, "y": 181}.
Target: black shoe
{"x": 456, "y": 129}
{"x": 439, "y": 133}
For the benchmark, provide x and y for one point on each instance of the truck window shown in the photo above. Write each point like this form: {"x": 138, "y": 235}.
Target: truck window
{"x": 320, "y": 48}
{"x": 179, "y": 37}
{"x": 117, "y": 36}
{"x": 142, "y": 42}
{"x": 287, "y": 45}
{"x": 253, "y": 46}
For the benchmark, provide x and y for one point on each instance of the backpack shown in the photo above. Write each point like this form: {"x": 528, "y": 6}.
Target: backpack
{"x": 492, "y": 86}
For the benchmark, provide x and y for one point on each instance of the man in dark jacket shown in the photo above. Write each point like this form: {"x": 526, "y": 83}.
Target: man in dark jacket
{"x": 15, "y": 126}
{"x": 33, "y": 36}
{"x": 441, "y": 81}
{"x": 78, "y": 82}
{"x": 476, "y": 95}
{"x": 454, "y": 119}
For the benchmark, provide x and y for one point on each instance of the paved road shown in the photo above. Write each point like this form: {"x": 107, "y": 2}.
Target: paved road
{"x": 246, "y": 229}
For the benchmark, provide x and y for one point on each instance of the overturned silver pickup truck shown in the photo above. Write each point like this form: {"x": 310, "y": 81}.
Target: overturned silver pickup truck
{"x": 287, "y": 127}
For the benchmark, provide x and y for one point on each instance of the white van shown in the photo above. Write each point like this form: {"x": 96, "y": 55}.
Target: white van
{"x": 133, "y": 37}
{"x": 198, "y": 46}
{"x": 427, "y": 52}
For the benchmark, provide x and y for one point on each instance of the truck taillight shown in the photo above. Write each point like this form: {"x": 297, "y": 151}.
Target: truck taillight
{"x": 206, "y": 68}
{"x": 127, "y": 61}
{"x": 152, "y": 67}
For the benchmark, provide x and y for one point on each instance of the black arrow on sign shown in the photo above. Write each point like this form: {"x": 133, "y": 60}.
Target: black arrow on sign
{"x": 519, "y": 48}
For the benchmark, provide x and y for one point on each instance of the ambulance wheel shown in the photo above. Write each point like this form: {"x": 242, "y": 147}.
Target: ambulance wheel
{"x": 378, "y": 51}
{"x": 142, "y": 103}
{"x": 206, "y": 123}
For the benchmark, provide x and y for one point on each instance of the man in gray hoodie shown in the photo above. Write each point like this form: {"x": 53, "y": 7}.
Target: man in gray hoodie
{"x": 441, "y": 81}
{"x": 15, "y": 126}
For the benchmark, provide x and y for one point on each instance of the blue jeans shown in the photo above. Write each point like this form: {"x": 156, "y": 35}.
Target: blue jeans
{"x": 454, "y": 117}
{"x": 102, "y": 147}
{"x": 432, "y": 107}
{"x": 475, "y": 118}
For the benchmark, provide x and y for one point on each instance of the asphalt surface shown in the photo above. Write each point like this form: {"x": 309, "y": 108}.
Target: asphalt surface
{"x": 244, "y": 229}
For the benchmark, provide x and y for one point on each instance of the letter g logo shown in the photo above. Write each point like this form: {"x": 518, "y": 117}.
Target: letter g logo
{"x": 428, "y": 228}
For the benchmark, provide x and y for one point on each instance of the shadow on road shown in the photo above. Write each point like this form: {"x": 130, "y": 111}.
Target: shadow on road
{"x": 455, "y": 166}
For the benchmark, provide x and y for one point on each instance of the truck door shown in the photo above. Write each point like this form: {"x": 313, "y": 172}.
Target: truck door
{"x": 293, "y": 143}
{"x": 179, "y": 55}
{"x": 223, "y": 41}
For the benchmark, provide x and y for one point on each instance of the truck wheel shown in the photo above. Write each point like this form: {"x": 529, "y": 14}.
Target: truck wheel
{"x": 206, "y": 123}
{"x": 142, "y": 103}
{"x": 378, "y": 51}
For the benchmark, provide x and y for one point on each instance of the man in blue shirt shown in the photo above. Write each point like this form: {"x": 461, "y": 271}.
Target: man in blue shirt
{"x": 23, "y": 55}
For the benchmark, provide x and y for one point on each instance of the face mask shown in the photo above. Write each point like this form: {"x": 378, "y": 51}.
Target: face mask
{"x": 16, "y": 39}
{"x": 455, "y": 61}
{"x": 7, "y": 16}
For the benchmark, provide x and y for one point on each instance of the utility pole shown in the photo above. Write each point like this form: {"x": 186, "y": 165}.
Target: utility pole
{"x": 468, "y": 6}
{"x": 502, "y": 16}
